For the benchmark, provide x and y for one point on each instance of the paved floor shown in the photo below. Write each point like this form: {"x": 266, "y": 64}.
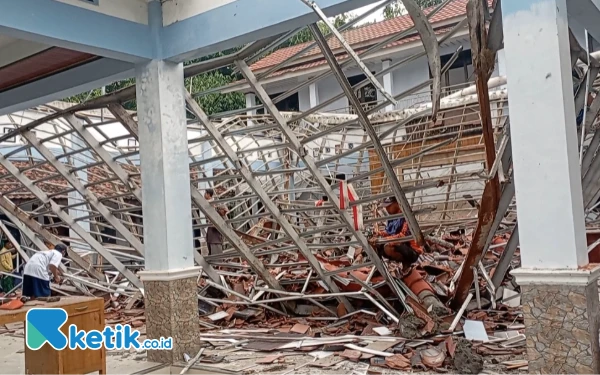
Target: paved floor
{"x": 12, "y": 359}
{"x": 12, "y": 362}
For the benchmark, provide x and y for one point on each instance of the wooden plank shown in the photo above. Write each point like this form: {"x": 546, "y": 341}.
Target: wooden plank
{"x": 12, "y": 316}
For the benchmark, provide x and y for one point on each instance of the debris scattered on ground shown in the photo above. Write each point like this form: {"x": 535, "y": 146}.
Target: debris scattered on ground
{"x": 466, "y": 361}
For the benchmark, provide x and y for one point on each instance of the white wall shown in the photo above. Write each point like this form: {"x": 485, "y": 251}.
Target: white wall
{"x": 303, "y": 98}
{"x": 408, "y": 76}
{"x": 130, "y": 10}
{"x": 500, "y": 69}
{"x": 328, "y": 88}
{"x": 403, "y": 78}
{"x": 174, "y": 11}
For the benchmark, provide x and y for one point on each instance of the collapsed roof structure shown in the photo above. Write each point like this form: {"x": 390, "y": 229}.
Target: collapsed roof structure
{"x": 448, "y": 163}
{"x": 440, "y": 164}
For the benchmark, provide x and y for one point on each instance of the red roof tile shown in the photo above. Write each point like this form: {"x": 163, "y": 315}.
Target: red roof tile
{"x": 344, "y": 56}
{"x": 365, "y": 35}
{"x": 58, "y": 184}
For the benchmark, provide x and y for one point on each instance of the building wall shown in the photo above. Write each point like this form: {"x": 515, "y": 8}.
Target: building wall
{"x": 500, "y": 68}
{"x": 404, "y": 78}
{"x": 174, "y": 11}
{"x": 328, "y": 88}
{"x": 303, "y": 97}
{"x": 130, "y": 10}
{"x": 407, "y": 76}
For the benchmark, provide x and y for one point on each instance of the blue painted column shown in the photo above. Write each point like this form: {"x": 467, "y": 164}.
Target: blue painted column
{"x": 170, "y": 278}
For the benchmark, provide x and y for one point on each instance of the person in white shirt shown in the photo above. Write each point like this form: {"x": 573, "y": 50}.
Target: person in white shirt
{"x": 36, "y": 275}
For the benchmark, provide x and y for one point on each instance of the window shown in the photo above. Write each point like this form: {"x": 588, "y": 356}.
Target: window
{"x": 315, "y": 152}
{"x": 461, "y": 70}
{"x": 327, "y": 150}
{"x": 350, "y": 146}
{"x": 289, "y": 104}
{"x": 11, "y": 139}
{"x": 367, "y": 95}
{"x": 338, "y": 149}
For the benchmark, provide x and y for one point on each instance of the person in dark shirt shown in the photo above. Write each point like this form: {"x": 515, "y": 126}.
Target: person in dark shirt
{"x": 405, "y": 252}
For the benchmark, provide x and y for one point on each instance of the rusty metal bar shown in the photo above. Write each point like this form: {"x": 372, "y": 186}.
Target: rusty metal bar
{"x": 484, "y": 66}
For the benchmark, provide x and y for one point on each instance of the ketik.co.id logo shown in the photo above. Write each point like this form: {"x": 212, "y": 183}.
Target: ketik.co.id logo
{"x": 43, "y": 326}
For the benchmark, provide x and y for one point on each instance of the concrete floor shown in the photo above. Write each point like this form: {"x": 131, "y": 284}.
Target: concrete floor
{"x": 12, "y": 359}
{"x": 12, "y": 362}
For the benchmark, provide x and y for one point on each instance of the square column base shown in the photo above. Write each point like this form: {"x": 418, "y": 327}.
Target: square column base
{"x": 171, "y": 303}
{"x": 561, "y": 312}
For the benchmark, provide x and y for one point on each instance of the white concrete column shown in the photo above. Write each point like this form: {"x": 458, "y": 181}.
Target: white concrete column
{"x": 388, "y": 82}
{"x": 501, "y": 63}
{"x": 164, "y": 160}
{"x": 544, "y": 139}
{"x": 207, "y": 153}
{"x": 76, "y": 143}
{"x": 250, "y": 102}
{"x": 313, "y": 94}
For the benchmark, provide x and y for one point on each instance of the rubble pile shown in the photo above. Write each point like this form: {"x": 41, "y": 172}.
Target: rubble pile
{"x": 304, "y": 277}
{"x": 305, "y": 323}
{"x": 383, "y": 331}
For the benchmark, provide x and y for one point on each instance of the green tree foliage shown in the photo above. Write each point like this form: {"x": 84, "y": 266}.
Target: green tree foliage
{"x": 305, "y": 35}
{"x": 216, "y": 103}
{"x": 115, "y": 86}
{"x": 212, "y": 103}
{"x": 396, "y": 9}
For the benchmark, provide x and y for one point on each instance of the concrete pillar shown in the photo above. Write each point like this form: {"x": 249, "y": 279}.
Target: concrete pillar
{"x": 170, "y": 278}
{"x": 560, "y": 298}
{"x": 79, "y": 160}
{"x": 250, "y": 102}
{"x": 501, "y": 58}
{"x": 388, "y": 82}
{"x": 206, "y": 153}
{"x": 313, "y": 94}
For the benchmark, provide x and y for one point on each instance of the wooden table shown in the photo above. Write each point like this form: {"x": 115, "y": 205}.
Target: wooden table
{"x": 87, "y": 313}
